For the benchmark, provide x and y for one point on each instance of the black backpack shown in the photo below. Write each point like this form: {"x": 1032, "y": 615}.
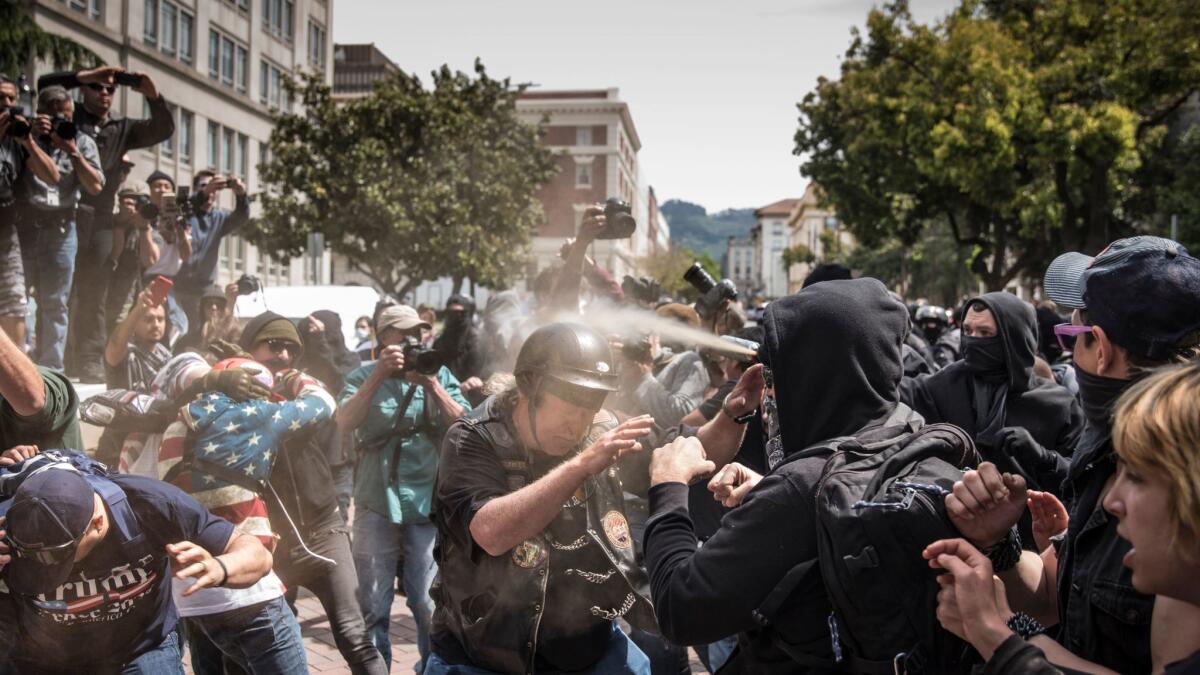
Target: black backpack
{"x": 879, "y": 502}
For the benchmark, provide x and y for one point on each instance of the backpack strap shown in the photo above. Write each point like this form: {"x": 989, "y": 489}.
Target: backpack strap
{"x": 769, "y": 609}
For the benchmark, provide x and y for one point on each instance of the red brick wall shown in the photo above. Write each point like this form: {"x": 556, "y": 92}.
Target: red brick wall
{"x": 559, "y": 196}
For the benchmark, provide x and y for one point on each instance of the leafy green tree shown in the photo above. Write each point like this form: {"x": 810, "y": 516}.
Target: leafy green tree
{"x": 667, "y": 267}
{"x": 1027, "y": 126}
{"x": 798, "y": 254}
{"x": 408, "y": 183}
{"x": 22, "y": 41}
{"x": 934, "y": 267}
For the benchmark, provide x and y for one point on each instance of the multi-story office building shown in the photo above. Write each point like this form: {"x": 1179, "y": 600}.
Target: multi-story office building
{"x": 221, "y": 65}
{"x": 769, "y": 237}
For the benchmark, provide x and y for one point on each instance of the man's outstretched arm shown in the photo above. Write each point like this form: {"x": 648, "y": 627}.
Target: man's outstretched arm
{"x": 20, "y": 382}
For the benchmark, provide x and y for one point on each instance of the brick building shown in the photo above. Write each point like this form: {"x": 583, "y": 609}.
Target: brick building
{"x": 596, "y": 144}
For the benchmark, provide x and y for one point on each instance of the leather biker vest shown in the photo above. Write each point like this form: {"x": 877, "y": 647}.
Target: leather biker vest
{"x": 493, "y": 606}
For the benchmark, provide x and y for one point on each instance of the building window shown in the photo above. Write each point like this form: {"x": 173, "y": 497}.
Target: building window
{"x": 227, "y": 151}
{"x": 583, "y": 135}
{"x": 242, "y": 69}
{"x": 150, "y": 25}
{"x": 279, "y": 18}
{"x": 186, "y": 122}
{"x": 226, "y": 61}
{"x": 243, "y": 156}
{"x": 214, "y": 54}
{"x": 271, "y": 90}
{"x": 831, "y": 223}
{"x": 243, "y": 5}
{"x": 90, "y": 7}
{"x": 186, "y": 37}
{"x": 214, "y": 144}
{"x": 583, "y": 175}
{"x": 316, "y": 45}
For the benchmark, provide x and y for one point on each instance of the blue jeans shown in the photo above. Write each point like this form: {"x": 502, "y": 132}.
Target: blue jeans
{"x": 377, "y": 543}
{"x": 48, "y": 247}
{"x": 165, "y": 659}
{"x": 262, "y": 639}
{"x": 622, "y": 658}
{"x": 178, "y": 319}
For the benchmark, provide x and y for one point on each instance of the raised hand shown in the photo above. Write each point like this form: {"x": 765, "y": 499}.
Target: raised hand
{"x": 1050, "y": 518}
{"x": 681, "y": 461}
{"x": 616, "y": 443}
{"x": 985, "y": 504}
{"x": 732, "y": 483}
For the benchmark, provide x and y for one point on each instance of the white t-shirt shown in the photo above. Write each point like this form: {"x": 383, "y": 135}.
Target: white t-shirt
{"x": 208, "y": 601}
{"x": 168, "y": 262}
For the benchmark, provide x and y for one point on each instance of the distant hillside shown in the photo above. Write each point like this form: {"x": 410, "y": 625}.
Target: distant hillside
{"x": 700, "y": 231}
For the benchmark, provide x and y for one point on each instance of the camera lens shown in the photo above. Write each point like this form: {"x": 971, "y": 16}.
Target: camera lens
{"x": 699, "y": 278}
{"x": 64, "y": 128}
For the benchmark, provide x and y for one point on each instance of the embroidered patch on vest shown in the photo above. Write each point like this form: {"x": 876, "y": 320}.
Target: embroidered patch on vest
{"x": 529, "y": 554}
{"x": 616, "y": 528}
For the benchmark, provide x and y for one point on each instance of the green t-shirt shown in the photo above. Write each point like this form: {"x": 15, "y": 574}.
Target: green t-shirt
{"x": 56, "y": 426}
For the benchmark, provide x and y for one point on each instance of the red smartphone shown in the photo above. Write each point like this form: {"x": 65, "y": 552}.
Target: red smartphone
{"x": 159, "y": 289}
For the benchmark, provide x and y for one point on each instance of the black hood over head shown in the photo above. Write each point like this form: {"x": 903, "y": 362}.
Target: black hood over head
{"x": 834, "y": 350}
{"x": 1016, "y": 322}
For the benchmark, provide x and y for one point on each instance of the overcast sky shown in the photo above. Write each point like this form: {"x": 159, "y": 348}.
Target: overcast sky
{"x": 712, "y": 85}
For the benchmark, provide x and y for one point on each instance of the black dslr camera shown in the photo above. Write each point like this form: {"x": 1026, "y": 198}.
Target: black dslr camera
{"x": 643, "y": 290}
{"x": 190, "y": 204}
{"x": 18, "y": 128}
{"x": 248, "y": 284}
{"x": 712, "y": 292}
{"x": 63, "y": 127}
{"x": 145, "y": 208}
{"x": 618, "y": 220}
{"x": 420, "y": 358}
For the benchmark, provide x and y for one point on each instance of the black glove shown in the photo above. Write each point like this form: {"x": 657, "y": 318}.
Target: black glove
{"x": 236, "y": 383}
{"x": 1043, "y": 468}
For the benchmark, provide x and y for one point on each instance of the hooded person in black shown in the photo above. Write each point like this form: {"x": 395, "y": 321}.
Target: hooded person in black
{"x": 993, "y": 395}
{"x": 834, "y": 352}
{"x": 461, "y": 346}
{"x": 326, "y": 356}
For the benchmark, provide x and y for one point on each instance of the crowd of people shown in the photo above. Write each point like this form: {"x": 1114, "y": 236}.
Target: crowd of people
{"x": 592, "y": 479}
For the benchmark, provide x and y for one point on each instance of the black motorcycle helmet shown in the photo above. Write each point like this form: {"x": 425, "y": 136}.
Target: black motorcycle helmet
{"x": 569, "y": 360}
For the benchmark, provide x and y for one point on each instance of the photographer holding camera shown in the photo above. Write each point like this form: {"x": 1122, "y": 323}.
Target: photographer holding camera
{"x": 47, "y": 227}
{"x": 114, "y": 135}
{"x": 18, "y": 152}
{"x": 164, "y": 241}
{"x": 208, "y": 225}
{"x": 398, "y": 407}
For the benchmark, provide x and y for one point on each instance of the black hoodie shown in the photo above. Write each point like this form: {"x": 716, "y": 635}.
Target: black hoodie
{"x": 982, "y": 404}
{"x": 834, "y": 353}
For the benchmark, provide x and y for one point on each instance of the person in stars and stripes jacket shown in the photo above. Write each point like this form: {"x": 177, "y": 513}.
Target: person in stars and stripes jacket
{"x": 217, "y": 451}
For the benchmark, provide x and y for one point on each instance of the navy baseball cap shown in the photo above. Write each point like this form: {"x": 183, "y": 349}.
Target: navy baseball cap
{"x": 49, "y": 514}
{"x": 1143, "y": 291}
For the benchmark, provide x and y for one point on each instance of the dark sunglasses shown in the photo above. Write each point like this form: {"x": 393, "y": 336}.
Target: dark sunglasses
{"x": 102, "y": 88}
{"x": 277, "y": 346}
{"x": 45, "y": 555}
{"x": 1066, "y": 334}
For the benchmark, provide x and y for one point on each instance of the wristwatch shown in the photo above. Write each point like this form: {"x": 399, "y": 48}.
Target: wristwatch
{"x": 742, "y": 419}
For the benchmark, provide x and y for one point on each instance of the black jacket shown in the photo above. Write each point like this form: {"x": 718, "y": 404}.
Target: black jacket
{"x": 834, "y": 350}
{"x": 959, "y": 396}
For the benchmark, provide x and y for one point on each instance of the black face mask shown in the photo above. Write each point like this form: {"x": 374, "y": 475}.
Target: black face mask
{"x": 985, "y": 357}
{"x": 1097, "y": 395}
